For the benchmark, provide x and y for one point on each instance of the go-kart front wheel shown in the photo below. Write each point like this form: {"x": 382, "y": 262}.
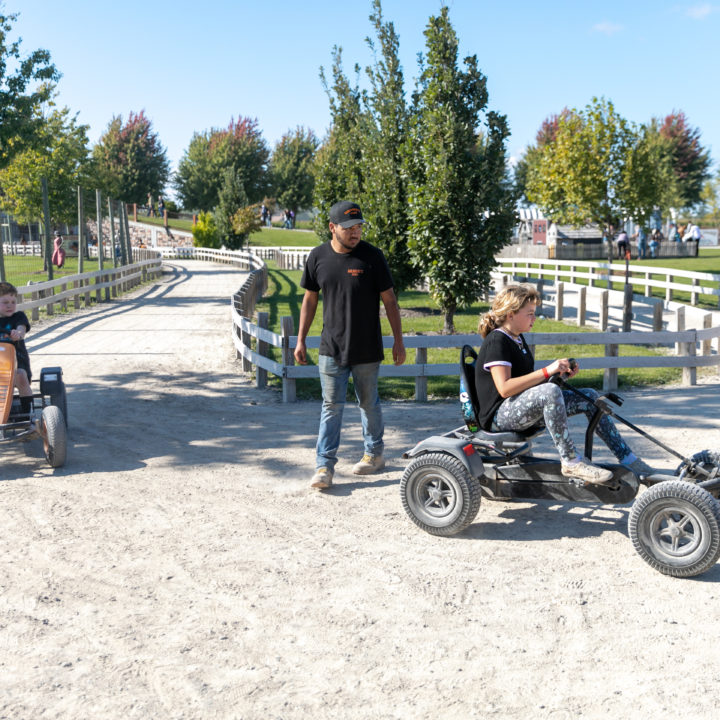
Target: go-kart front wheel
{"x": 439, "y": 494}
{"x": 54, "y": 436}
{"x": 675, "y": 528}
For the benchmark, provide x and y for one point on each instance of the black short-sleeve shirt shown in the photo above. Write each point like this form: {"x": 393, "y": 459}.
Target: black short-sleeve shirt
{"x": 7, "y": 324}
{"x": 498, "y": 348}
{"x": 350, "y": 284}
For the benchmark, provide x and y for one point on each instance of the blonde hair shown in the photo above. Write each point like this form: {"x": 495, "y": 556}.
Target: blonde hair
{"x": 509, "y": 300}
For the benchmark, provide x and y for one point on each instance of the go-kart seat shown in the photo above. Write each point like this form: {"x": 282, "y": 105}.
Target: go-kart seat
{"x": 468, "y": 358}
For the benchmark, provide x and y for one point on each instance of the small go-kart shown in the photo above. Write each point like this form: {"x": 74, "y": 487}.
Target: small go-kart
{"x": 46, "y": 415}
{"x": 674, "y": 524}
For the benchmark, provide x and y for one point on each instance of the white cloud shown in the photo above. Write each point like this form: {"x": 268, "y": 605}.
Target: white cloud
{"x": 699, "y": 12}
{"x": 607, "y": 28}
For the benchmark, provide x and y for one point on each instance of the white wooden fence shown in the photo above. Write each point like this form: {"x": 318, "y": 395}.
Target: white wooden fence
{"x": 79, "y": 289}
{"x": 597, "y": 274}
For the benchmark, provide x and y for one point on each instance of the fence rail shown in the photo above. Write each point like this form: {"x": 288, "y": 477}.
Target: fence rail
{"x": 645, "y": 276}
{"x": 80, "y": 288}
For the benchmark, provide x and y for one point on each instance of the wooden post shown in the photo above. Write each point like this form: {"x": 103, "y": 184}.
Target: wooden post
{"x": 76, "y": 296}
{"x": 689, "y": 374}
{"x": 648, "y": 288}
{"x": 46, "y": 223}
{"x": 603, "y": 319}
{"x": 610, "y": 375}
{"x": 707, "y": 344}
{"x": 582, "y": 302}
{"x": 668, "y": 291}
{"x": 627, "y": 308}
{"x": 657, "y": 316}
{"x": 679, "y": 327}
{"x": 262, "y": 349}
{"x": 559, "y": 300}
{"x": 134, "y": 212}
{"x": 287, "y": 329}
{"x": 101, "y": 252}
{"x": 421, "y": 380}
{"x": 81, "y": 231}
{"x": 127, "y": 255}
{"x": 35, "y": 312}
{"x": 693, "y": 294}
{"x": 591, "y": 281}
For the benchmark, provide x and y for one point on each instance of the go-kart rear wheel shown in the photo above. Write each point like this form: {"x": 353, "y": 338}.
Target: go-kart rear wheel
{"x": 54, "y": 436}
{"x": 439, "y": 494}
{"x": 675, "y": 528}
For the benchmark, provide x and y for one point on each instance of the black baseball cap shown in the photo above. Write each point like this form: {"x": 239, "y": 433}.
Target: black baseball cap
{"x": 346, "y": 214}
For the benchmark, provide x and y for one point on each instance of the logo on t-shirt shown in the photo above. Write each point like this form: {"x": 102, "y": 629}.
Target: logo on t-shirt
{"x": 355, "y": 272}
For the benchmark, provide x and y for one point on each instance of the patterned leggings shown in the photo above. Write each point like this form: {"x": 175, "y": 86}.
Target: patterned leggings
{"x": 550, "y": 403}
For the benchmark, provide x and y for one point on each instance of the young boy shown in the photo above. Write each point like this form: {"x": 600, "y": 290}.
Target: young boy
{"x": 15, "y": 324}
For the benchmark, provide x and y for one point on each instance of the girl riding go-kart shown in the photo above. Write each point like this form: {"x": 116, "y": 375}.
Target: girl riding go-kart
{"x": 674, "y": 523}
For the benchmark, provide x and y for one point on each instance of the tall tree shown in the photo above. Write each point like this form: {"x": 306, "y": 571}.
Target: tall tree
{"x": 231, "y": 198}
{"x": 291, "y": 169}
{"x": 578, "y": 177}
{"x": 462, "y": 205}
{"x": 22, "y": 92}
{"x": 61, "y": 156}
{"x": 690, "y": 161}
{"x": 239, "y": 146}
{"x": 129, "y": 160}
{"x": 339, "y": 163}
{"x": 384, "y": 144}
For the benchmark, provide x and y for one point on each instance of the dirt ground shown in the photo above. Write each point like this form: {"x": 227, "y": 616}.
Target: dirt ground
{"x": 179, "y": 565}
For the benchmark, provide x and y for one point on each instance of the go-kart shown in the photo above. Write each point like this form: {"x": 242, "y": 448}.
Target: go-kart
{"x": 674, "y": 524}
{"x": 47, "y": 415}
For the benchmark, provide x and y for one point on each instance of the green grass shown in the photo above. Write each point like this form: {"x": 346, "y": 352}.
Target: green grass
{"x": 422, "y": 316}
{"x": 277, "y": 237}
{"x": 19, "y": 270}
{"x": 176, "y": 223}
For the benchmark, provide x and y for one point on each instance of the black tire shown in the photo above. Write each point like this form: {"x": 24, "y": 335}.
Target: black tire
{"x": 709, "y": 460}
{"x": 54, "y": 436}
{"x": 675, "y": 528}
{"x": 439, "y": 494}
{"x": 60, "y": 400}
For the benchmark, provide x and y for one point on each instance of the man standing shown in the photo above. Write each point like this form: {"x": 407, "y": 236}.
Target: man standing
{"x": 353, "y": 277}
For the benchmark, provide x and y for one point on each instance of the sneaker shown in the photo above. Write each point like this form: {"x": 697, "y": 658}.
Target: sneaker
{"x": 322, "y": 478}
{"x": 585, "y": 471}
{"x": 369, "y": 464}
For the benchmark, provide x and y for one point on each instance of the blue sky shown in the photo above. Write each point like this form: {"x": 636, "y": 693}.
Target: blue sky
{"x": 194, "y": 65}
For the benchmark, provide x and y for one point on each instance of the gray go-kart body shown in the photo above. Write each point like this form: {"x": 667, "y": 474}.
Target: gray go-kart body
{"x": 674, "y": 523}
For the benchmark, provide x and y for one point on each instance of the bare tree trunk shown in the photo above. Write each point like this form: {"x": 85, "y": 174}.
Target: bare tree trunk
{"x": 449, "y": 326}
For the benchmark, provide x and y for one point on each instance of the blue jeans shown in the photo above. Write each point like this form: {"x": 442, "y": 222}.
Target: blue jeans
{"x": 334, "y": 380}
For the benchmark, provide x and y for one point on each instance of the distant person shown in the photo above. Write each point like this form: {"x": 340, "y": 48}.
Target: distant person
{"x": 161, "y": 206}
{"x": 655, "y": 242}
{"x": 287, "y": 224}
{"x": 622, "y": 244}
{"x": 58, "y": 256}
{"x": 263, "y": 214}
{"x": 150, "y": 206}
{"x": 639, "y": 237}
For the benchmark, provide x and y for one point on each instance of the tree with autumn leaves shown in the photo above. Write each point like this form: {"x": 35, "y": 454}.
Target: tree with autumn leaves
{"x": 593, "y": 166}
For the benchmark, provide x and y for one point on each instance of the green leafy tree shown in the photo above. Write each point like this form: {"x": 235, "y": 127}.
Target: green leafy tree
{"x": 240, "y": 146}
{"x": 578, "y": 177}
{"x": 205, "y": 232}
{"x": 246, "y": 221}
{"x": 339, "y": 162}
{"x": 462, "y": 204}
{"x": 26, "y": 83}
{"x": 384, "y": 146}
{"x": 61, "y": 156}
{"x": 232, "y": 197}
{"x": 710, "y": 198}
{"x": 130, "y": 161}
{"x": 291, "y": 169}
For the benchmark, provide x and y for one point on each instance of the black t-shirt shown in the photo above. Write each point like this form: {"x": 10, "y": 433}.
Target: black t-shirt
{"x": 7, "y": 324}
{"x": 498, "y": 348}
{"x": 351, "y": 284}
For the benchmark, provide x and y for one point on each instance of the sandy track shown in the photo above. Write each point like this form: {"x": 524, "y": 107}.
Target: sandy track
{"x": 179, "y": 566}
